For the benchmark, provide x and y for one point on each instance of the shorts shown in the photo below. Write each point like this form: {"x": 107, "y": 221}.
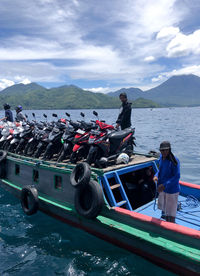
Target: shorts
{"x": 168, "y": 203}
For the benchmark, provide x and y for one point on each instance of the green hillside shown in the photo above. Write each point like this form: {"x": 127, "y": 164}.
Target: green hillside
{"x": 34, "y": 96}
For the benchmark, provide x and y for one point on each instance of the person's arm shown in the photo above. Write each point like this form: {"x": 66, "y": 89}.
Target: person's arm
{"x": 119, "y": 119}
{"x": 155, "y": 178}
{"x": 175, "y": 177}
{"x": 5, "y": 118}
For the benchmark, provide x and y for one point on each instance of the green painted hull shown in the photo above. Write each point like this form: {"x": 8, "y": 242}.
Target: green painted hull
{"x": 175, "y": 248}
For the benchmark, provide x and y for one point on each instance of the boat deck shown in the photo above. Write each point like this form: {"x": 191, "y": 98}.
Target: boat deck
{"x": 134, "y": 160}
{"x": 188, "y": 215}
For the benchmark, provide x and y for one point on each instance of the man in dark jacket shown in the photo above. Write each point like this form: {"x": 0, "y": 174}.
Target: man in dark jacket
{"x": 124, "y": 118}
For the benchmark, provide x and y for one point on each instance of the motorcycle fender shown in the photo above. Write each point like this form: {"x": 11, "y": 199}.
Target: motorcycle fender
{"x": 65, "y": 146}
{"x": 76, "y": 147}
{"x": 50, "y": 145}
{"x": 14, "y": 141}
{"x": 2, "y": 139}
{"x": 30, "y": 140}
{"x": 9, "y": 137}
{"x": 21, "y": 141}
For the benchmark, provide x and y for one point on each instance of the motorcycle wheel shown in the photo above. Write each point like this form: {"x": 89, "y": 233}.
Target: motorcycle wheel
{"x": 48, "y": 153}
{"x": 6, "y": 145}
{"x": 38, "y": 152}
{"x": 74, "y": 157}
{"x": 92, "y": 155}
{"x": 129, "y": 150}
{"x": 64, "y": 152}
{"x": 11, "y": 147}
{"x": 78, "y": 155}
{"x": 19, "y": 148}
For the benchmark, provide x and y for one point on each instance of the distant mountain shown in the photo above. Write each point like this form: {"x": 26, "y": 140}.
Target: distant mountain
{"x": 132, "y": 93}
{"x": 34, "y": 96}
{"x": 21, "y": 88}
{"x": 181, "y": 90}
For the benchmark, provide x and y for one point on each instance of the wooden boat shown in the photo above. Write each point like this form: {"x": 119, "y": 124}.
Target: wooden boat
{"x": 115, "y": 204}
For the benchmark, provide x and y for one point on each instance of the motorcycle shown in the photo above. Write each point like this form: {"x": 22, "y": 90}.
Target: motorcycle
{"x": 54, "y": 139}
{"x": 68, "y": 139}
{"x": 109, "y": 143}
{"x": 81, "y": 146}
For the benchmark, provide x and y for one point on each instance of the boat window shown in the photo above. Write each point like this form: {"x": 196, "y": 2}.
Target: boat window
{"x": 58, "y": 182}
{"x": 35, "y": 175}
{"x": 17, "y": 169}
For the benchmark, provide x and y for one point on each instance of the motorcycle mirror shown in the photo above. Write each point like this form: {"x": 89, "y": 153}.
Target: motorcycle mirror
{"x": 82, "y": 114}
{"x": 33, "y": 115}
{"x": 68, "y": 115}
{"x": 95, "y": 113}
{"x": 45, "y": 116}
{"x": 54, "y": 115}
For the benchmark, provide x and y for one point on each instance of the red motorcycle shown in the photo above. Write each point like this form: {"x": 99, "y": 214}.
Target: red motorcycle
{"x": 81, "y": 146}
{"x": 109, "y": 143}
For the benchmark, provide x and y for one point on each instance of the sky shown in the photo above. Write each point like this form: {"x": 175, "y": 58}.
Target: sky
{"x": 101, "y": 45}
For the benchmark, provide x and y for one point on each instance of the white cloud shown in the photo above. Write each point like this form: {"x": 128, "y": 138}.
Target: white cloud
{"x": 168, "y": 32}
{"x": 100, "y": 89}
{"x": 149, "y": 58}
{"x": 186, "y": 70}
{"x": 183, "y": 45}
{"x": 104, "y": 40}
{"x": 25, "y": 81}
{"x": 5, "y": 83}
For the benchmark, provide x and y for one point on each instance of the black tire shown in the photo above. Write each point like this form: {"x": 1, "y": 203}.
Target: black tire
{"x": 48, "y": 152}
{"x": 61, "y": 156}
{"x": 3, "y": 155}
{"x": 73, "y": 157}
{"x": 91, "y": 158}
{"x": 11, "y": 147}
{"x": 89, "y": 200}
{"x": 19, "y": 148}
{"x": 65, "y": 151}
{"x": 6, "y": 145}
{"x": 26, "y": 149}
{"x": 29, "y": 200}
{"x": 80, "y": 175}
{"x": 38, "y": 152}
{"x": 79, "y": 155}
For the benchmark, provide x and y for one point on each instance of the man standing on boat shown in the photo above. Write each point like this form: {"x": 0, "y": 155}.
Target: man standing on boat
{"x": 167, "y": 179}
{"x": 124, "y": 118}
{"x": 8, "y": 113}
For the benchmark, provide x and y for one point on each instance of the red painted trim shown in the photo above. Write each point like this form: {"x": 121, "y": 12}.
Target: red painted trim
{"x": 160, "y": 223}
{"x": 181, "y": 270}
{"x": 191, "y": 185}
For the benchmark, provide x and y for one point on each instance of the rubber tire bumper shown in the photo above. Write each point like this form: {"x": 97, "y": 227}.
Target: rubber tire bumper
{"x": 29, "y": 200}
{"x": 80, "y": 175}
{"x": 89, "y": 200}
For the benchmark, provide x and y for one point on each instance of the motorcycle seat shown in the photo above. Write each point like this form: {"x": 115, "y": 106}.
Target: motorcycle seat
{"x": 120, "y": 134}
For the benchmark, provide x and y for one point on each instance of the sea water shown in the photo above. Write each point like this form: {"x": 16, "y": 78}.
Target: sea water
{"x": 40, "y": 245}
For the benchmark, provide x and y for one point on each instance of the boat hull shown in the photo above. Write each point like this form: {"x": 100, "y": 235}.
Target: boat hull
{"x": 171, "y": 246}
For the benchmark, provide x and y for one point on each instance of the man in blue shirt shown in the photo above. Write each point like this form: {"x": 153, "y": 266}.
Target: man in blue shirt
{"x": 8, "y": 113}
{"x": 167, "y": 179}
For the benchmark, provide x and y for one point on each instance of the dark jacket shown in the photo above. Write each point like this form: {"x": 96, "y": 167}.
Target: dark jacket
{"x": 124, "y": 118}
{"x": 9, "y": 115}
